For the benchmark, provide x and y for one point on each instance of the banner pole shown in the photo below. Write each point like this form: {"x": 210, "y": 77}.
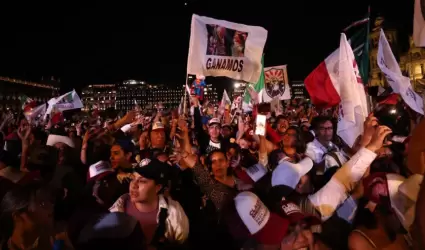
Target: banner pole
{"x": 185, "y": 97}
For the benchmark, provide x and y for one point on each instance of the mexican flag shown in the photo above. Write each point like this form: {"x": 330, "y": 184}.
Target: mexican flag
{"x": 27, "y": 103}
{"x": 257, "y": 87}
{"x": 359, "y": 41}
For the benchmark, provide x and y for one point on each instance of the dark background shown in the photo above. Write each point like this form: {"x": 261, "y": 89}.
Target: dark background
{"x": 94, "y": 42}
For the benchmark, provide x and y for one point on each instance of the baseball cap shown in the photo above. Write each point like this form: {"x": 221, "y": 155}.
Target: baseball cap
{"x": 157, "y": 125}
{"x": 264, "y": 226}
{"x": 252, "y": 174}
{"x": 99, "y": 170}
{"x": 401, "y": 194}
{"x": 154, "y": 170}
{"x": 289, "y": 174}
{"x": 213, "y": 121}
{"x": 293, "y": 213}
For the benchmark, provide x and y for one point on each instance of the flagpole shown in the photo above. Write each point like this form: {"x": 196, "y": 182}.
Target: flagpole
{"x": 370, "y": 98}
{"x": 185, "y": 96}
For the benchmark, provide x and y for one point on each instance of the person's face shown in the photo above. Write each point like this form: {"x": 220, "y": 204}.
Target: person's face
{"x": 118, "y": 157}
{"x": 225, "y": 132}
{"x": 39, "y": 215}
{"x": 300, "y": 238}
{"x": 234, "y": 157}
{"x": 219, "y": 165}
{"x": 244, "y": 144}
{"x": 254, "y": 146}
{"x": 158, "y": 138}
{"x": 60, "y": 146}
{"x": 282, "y": 125}
{"x": 143, "y": 189}
{"x": 304, "y": 186}
{"x": 289, "y": 138}
{"x": 214, "y": 131}
{"x": 325, "y": 131}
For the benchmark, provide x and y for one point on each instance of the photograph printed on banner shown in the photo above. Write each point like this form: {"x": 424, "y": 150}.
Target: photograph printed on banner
{"x": 275, "y": 84}
{"x": 223, "y": 41}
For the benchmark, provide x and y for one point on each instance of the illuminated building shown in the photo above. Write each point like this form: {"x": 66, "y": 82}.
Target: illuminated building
{"x": 125, "y": 95}
{"x": 413, "y": 64}
{"x": 132, "y": 91}
{"x": 238, "y": 89}
{"x": 11, "y": 89}
{"x": 101, "y": 95}
{"x": 298, "y": 90}
{"x": 147, "y": 95}
{"x": 210, "y": 93}
{"x": 376, "y": 77}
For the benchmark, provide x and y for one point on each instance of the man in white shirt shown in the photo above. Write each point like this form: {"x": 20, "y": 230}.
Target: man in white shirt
{"x": 323, "y": 145}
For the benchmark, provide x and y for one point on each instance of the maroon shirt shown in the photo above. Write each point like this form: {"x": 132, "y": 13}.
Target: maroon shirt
{"x": 148, "y": 221}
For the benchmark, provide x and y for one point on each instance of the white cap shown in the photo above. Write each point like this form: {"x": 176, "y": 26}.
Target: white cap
{"x": 252, "y": 211}
{"x": 53, "y": 139}
{"x": 98, "y": 168}
{"x": 256, "y": 172}
{"x": 214, "y": 120}
{"x": 157, "y": 125}
{"x": 289, "y": 174}
{"x": 404, "y": 201}
{"x": 144, "y": 162}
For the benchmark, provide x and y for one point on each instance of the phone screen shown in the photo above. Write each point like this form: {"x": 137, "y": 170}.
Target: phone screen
{"x": 260, "y": 128}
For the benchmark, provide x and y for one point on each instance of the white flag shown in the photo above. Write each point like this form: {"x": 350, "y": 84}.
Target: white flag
{"x": 353, "y": 106}
{"x": 68, "y": 101}
{"x": 276, "y": 84}
{"x": 419, "y": 24}
{"x": 399, "y": 83}
{"x": 222, "y": 48}
{"x": 35, "y": 112}
{"x": 225, "y": 101}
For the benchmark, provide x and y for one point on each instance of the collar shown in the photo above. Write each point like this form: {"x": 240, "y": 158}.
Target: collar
{"x": 215, "y": 144}
{"x": 162, "y": 202}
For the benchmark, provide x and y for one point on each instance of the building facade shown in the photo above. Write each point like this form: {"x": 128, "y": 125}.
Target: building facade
{"x": 124, "y": 96}
{"x": 12, "y": 89}
{"x": 101, "y": 95}
{"x": 412, "y": 64}
{"x": 376, "y": 78}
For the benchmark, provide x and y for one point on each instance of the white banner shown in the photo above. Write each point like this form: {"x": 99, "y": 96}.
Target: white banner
{"x": 276, "y": 84}
{"x": 222, "y": 48}
{"x": 399, "y": 83}
{"x": 353, "y": 105}
{"x": 419, "y": 23}
{"x": 68, "y": 101}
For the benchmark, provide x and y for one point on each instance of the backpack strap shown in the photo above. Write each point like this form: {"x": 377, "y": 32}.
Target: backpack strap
{"x": 159, "y": 236}
{"x": 335, "y": 157}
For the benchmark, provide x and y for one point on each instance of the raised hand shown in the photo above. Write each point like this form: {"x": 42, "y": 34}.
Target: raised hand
{"x": 378, "y": 138}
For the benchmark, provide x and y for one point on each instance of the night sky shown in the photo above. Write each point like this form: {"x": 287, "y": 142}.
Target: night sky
{"x": 107, "y": 43}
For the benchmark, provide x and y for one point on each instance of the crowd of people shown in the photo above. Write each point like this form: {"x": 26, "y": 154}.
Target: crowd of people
{"x": 204, "y": 181}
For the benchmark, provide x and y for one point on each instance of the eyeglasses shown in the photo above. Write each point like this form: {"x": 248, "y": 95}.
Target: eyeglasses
{"x": 326, "y": 128}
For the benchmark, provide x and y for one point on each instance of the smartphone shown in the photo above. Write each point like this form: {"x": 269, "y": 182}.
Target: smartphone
{"x": 260, "y": 123}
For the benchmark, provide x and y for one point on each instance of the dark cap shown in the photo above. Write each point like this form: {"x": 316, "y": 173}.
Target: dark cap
{"x": 154, "y": 170}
